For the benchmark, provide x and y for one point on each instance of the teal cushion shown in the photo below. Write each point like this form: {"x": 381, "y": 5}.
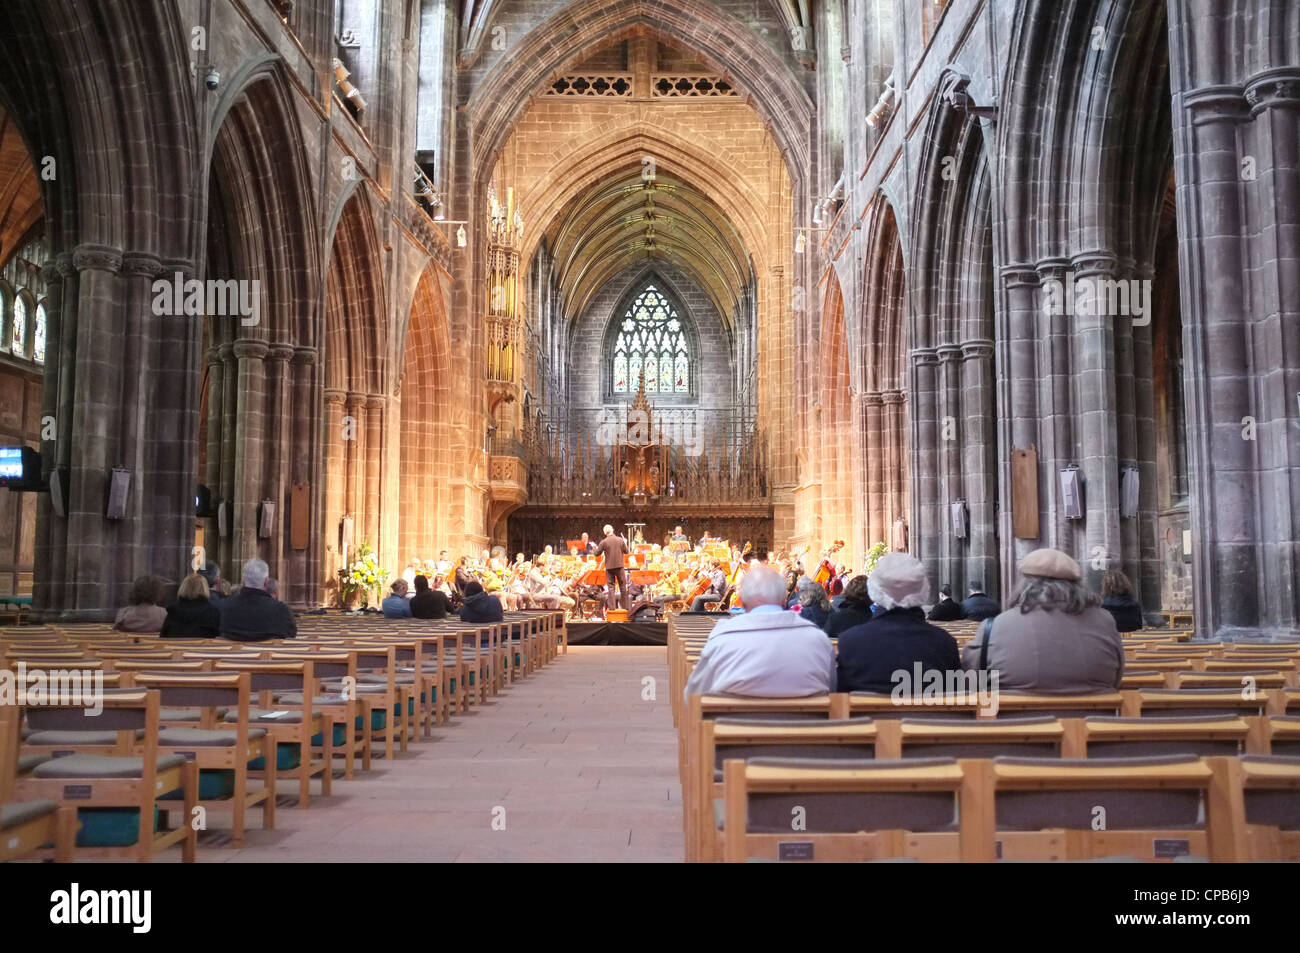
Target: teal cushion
{"x": 378, "y": 720}
{"x": 111, "y": 826}
{"x": 214, "y": 783}
{"x": 340, "y": 736}
{"x": 287, "y": 757}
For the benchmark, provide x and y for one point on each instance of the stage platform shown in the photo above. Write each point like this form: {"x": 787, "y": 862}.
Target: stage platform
{"x": 618, "y": 633}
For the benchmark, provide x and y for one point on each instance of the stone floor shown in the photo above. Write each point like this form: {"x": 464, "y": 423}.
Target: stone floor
{"x": 584, "y": 769}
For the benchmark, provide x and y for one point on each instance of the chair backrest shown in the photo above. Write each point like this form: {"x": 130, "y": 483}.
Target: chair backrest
{"x": 1029, "y": 736}
{"x": 783, "y": 737}
{"x": 1271, "y": 791}
{"x": 1223, "y": 733}
{"x": 1198, "y": 701}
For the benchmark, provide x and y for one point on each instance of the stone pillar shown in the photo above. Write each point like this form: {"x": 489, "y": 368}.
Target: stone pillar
{"x": 275, "y": 459}
{"x": 307, "y": 465}
{"x": 923, "y": 516}
{"x": 335, "y": 479}
{"x": 979, "y": 465}
{"x": 950, "y": 426}
{"x": 373, "y": 458}
{"x": 249, "y": 453}
{"x": 354, "y": 448}
{"x": 1018, "y": 396}
{"x": 229, "y": 437}
{"x": 51, "y": 545}
{"x": 873, "y": 406}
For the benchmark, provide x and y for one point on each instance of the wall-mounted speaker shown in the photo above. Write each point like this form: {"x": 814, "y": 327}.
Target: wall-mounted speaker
{"x": 1071, "y": 494}
{"x": 266, "y": 520}
{"x": 119, "y": 489}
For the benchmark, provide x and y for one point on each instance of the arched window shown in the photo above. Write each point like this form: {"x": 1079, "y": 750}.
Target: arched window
{"x": 20, "y": 327}
{"x": 652, "y": 340}
{"x": 38, "y": 335}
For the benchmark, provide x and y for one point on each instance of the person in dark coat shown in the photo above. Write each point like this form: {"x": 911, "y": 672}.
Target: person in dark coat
{"x": 883, "y": 655}
{"x": 192, "y": 615}
{"x": 428, "y": 603}
{"x": 854, "y": 610}
{"x": 978, "y": 606}
{"x": 479, "y": 606}
{"x": 945, "y": 610}
{"x": 252, "y": 615}
{"x": 1117, "y": 599}
{"x": 814, "y": 604}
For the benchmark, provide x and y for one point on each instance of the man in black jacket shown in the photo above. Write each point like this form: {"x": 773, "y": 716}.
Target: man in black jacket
{"x": 882, "y": 655}
{"x": 252, "y": 615}
{"x": 945, "y": 610}
{"x": 428, "y": 603}
{"x": 978, "y": 606}
{"x": 479, "y": 606}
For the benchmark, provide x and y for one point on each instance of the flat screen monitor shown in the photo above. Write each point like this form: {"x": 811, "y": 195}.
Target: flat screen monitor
{"x": 20, "y": 467}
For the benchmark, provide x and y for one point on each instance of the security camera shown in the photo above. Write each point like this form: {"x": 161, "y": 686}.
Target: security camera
{"x": 212, "y": 79}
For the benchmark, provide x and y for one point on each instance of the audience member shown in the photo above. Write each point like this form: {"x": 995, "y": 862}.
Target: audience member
{"x": 428, "y": 603}
{"x": 395, "y": 605}
{"x": 1117, "y": 599}
{"x": 946, "y": 609}
{"x": 192, "y": 615}
{"x": 978, "y": 606}
{"x": 272, "y": 588}
{"x": 814, "y": 604}
{"x": 899, "y": 638}
{"x": 217, "y": 588}
{"x": 767, "y": 652}
{"x": 1054, "y": 638}
{"x": 251, "y": 615}
{"x": 145, "y": 613}
{"x": 479, "y": 606}
{"x": 853, "y": 611}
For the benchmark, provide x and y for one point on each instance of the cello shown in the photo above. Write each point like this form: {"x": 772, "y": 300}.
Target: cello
{"x": 826, "y": 571}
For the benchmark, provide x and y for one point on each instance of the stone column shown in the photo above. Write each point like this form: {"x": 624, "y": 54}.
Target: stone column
{"x": 307, "y": 465}
{"x": 249, "y": 452}
{"x": 335, "y": 478}
{"x": 925, "y": 491}
{"x": 229, "y": 437}
{"x": 950, "y": 432}
{"x": 979, "y": 465}
{"x": 212, "y": 464}
{"x": 51, "y": 545}
{"x": 873, "y": 412}
{"x": 373, "y": 459}
{"x": 275, "y": 462}
{"x": 1017, "y": 399}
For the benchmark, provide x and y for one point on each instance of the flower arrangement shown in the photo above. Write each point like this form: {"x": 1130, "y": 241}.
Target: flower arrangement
{"x": 362, "y": 576}
{"x": 873, "y": 556}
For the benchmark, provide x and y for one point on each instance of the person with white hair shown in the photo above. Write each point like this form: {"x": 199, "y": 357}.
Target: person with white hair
{"x": 1054, "y": 638}
{"x": 253, "y": 614}
{"x": 899, "y": 638}
{"x": 614, "y": 549}
{"x": 767, "y": 652}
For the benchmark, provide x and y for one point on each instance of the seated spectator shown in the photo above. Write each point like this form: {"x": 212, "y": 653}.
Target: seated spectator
{"x": 272, "y": 588}
{"x": 217, "y": 588}
{"x": 978, "y": 606}
{"x": 395, "y": 605}
{"x": 946, "y": 609}
{"x": 899, "y": 638}
{"x": 767, "y": 652}
{"x": 854, "y": 610}
{"x": 145, "y": 613}
{"x": 428, "y": 603}
{"x": 814, "y": 604}
{"x": 1117, "y": 599}
{"x": 479, "y": 606}
{"x": 1054, "y": 638}
{"x": 192, "y": 616}
{"x": 251, "y": 615}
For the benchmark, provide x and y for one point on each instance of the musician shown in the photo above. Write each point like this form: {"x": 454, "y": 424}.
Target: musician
{"x": 588, "y": 547}
{"x": 463, "y": 577}
{"x": 717, "y": 586}
{"x": 538, "y": 587}
{"x": 679, "y": 536}
{"x": 443, "y": 566}
{"x": 615, "y": 550}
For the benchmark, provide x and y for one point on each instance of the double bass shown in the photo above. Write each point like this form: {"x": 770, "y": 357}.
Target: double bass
{"x": 826, "y": 571}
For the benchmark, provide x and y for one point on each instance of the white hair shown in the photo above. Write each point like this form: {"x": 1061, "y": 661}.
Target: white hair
{"x": 608, "y": 529}
{"x": 762, "y": 587}
{"x": 255, "y": 573}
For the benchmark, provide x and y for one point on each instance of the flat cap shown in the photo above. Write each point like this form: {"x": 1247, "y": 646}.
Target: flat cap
{"x": 1051, "y": 563}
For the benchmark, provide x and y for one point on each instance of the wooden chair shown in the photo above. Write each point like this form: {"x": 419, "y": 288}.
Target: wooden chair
{"x": 1275, "y": 735}
{"x": 87, "y": 782}
{"x": 730, "y": 738}
{"x": 1079, "y": 809}
{"x": 338, "y": 705}
{"x": 1192, "y": 701}
{"x": 290, "y": 726}
{"x": 1201, "y": 735}
{"x": 849, "y": 810}
{"x": 1270, "y": 806}
{"x": 228, "y": 748}
{"x": 1030, "y": 736}
{"x": 28, "y": 826}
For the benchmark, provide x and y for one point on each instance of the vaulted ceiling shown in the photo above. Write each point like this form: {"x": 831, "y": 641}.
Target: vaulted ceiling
{"x": 626, "y": 220}
{"x": 20, "y": 190}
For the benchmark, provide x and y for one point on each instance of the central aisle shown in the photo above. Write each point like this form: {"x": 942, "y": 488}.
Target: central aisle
{"x": 583, "y": 767}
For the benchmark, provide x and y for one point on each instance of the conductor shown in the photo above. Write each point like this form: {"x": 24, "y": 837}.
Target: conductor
{"x": 614, "y": 549}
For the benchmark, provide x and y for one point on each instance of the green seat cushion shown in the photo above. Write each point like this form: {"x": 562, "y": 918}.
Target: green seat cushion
{"x": 340, "y": 736}
{"x": 287, "y": 757}
{"x": 378, "y": 720}
{"x": 214, "y": 784}
{"x": 110, "y": 826}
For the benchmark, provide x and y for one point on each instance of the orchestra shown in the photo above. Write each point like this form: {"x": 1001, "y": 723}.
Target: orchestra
{"x": 654, "y": 579}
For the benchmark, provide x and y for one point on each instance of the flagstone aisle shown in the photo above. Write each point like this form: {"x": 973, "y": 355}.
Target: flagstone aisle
{"x": 584, "y": 769}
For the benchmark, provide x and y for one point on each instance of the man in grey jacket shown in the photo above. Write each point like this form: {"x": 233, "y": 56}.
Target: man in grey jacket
{"x": 1054, "y": 638}
{"x": 769, "y": 652}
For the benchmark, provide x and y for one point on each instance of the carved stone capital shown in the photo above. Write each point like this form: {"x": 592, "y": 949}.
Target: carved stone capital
{"x": 251, "y": 350}
{"x": 97, "y": 258}
{"x": 141, "y": 263}
{"x": 304, "y": 355}
{"x": 336, "y": 397}
{"x": 948, "y": 353}
{"x": 924, "y": 355}
{"x": 977, "y": 348}
{"x": 279, "y": 352}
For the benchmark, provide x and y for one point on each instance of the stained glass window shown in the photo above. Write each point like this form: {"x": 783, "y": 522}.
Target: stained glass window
{"x": 20, "y": 326}
{"x": 38, "y": 335}
{"x": 651, "y": 337}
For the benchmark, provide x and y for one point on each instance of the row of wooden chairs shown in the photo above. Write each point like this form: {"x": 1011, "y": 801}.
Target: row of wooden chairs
{"x": 200, "y": 725}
